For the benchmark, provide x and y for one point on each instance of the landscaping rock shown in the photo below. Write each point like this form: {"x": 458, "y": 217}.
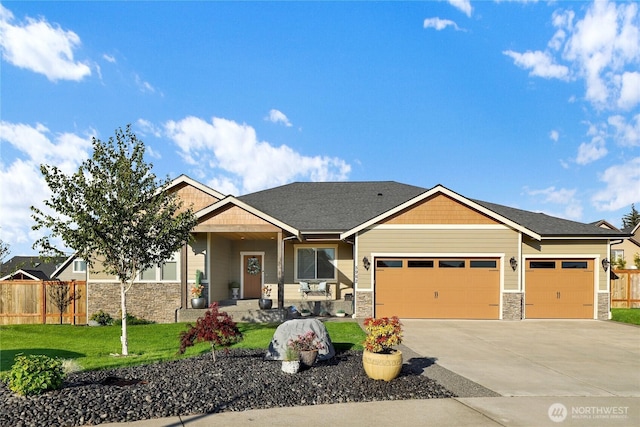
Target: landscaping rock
{"x": 291, "y": 329}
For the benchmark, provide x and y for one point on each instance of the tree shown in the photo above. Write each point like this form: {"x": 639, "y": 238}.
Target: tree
{"x": 61, "y": 295}
{"x": 631, "y": 219}
{"x": 4, "y": 250}
{"x": 114, "y": 214}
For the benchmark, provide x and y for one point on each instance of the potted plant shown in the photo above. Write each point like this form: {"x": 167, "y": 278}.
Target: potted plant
{"x": 265, "y": 301}
{"x": 340, "y": 313}
{"x": 379, "y": 359}
{"x": 235, "y": 289}
{"x": 291, "y": 362}
{"x": 305, "y": 312}
{"x": 308, "y": 345}
{"x": 197, "y": 301}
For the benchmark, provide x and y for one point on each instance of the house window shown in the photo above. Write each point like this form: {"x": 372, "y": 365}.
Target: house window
{"x": 617, "y": 254}
{"x": 167, "y": 271}
{"x": 79, "y": 266}
{"x": 315, "y": 263}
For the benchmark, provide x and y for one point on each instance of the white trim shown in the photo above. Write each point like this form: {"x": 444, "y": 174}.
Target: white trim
{"x": 64, "y": 265}
{"x": 73, "y": 266}
{"x": 9, "y": 276}
{"x": 557, "y": 257}
{"x": 451, "y": 194}
{"x": 439, "y": 227}
{"x": 186, "y": 180}
{"x": 242, "y": 255}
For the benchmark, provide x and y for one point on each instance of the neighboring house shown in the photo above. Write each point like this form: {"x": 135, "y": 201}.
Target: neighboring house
{"x": 38, "y": 268}
{"x": 624, "y": 249}
{"x": 396, "y": 249}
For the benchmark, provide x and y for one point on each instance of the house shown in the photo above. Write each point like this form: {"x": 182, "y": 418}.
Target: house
{"x": 396, "y": 249}
{"x": 40, "y": 268}
{"x": 625, "y": 249}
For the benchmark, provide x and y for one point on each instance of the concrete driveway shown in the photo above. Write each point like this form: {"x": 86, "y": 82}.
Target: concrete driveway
{"x": 535, "y": 357}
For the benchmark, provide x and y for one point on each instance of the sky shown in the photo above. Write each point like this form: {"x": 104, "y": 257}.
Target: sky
{"x": 529, "y": 104}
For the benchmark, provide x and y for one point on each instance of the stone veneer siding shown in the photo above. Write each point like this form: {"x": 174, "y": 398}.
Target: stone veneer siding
{"x": 511, "y": 306}
{"x": 151, "y": 301}
{"x": 603, "y": 306}
{"x": 364, "y": 304}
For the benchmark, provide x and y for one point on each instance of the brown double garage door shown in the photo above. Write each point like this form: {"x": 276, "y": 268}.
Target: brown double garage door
{"x": 438, "y": 288}
{"x": 469, "y": 288}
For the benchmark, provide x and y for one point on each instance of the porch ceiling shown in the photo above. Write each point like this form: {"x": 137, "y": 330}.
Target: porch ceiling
{"x": 248, "y": 235}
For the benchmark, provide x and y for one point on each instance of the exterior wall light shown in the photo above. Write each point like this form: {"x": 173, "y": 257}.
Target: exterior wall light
{"x": 366, "y": 263}
{"x": 513, "y": 262}
{"x": 605, "y": 264}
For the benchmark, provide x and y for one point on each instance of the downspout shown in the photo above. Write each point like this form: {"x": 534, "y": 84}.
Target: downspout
{"x": 611, "y": 243}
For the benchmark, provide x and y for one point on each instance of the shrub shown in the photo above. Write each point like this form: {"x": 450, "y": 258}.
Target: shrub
{"x": 215, "y": 327}
{"x": 133, "y": 320}
{"x": 102, "y": 318}
{"x": 35, "y": 374}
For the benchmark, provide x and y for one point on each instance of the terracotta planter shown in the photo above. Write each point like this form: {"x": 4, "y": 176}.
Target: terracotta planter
{"x": 198, "y": 302}
{"x": 308, "y": 358}
{"x": 380, "y": 366}
{"x": 265, "y": 303}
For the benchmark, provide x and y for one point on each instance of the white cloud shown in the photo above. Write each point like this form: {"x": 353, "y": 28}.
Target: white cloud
{"x": 22, "y": 178}
{"x": 540, "y": 63}
{"x": 626, "y": 134}
{"x": 629, "y": 91}
{"x": 109, "y": 58}
{"x": 589, "y": 152}
{"x": 244, "y": 163}
{"x": 146, "y": 128}
{"x": 144, "y": 86}
{"x": 554, "y": 135}
{"x": 40, "y": 47}
{"x": 566, "y": 198}
{"x": 622, "y": 186}
{"x": 276, "y": 116}
{"x": 463, "y": 5}
{"x": 439, "y": 24}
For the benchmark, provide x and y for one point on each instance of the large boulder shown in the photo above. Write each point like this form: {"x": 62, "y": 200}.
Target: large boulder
{"x": 291, "y": 329}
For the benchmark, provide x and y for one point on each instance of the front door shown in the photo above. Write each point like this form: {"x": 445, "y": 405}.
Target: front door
{"x": 252, "y": 276}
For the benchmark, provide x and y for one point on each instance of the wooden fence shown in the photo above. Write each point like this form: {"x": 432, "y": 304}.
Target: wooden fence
{"x": 29, "y": 302}
{"x": 625, "y": 290}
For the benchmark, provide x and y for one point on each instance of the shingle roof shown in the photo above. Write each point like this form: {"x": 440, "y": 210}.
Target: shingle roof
{"x": 330, "y": 206}
{"x": 550, "y": 226}
{"x": 36, "y": 266}
{"x": 340, "y": 206}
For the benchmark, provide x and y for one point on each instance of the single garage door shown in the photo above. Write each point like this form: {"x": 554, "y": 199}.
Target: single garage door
{"x": 437, "y": 288}
{"x": 559, "y": 289}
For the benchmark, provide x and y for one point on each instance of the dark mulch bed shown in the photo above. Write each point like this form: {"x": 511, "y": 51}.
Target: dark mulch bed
{"x": 238, "y": 381}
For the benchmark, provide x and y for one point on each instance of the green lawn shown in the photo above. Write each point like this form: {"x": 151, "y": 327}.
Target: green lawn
{"x": 626, "y": 315}
{"x": 94, "y": 347}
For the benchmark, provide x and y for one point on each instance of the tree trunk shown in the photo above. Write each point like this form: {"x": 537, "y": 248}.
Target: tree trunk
{"x": 123, "y": 308}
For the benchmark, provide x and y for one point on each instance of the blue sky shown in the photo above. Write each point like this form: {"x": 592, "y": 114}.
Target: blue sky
{"x": 534, "y": 105}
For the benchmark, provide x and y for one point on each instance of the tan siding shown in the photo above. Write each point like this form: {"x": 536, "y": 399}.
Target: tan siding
{"x": 193, "y": 197}
{"x": 555, "y": 248}
{"x": 221, "y": 268}
{"x": 437, "y": 241}
{"x": 197, "y": 256}
{"x": 439, "y": 209}
{"x": 68, "y": 274}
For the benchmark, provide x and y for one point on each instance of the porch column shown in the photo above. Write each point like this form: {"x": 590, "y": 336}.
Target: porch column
{"x": 280, "y": 271}
{"x": 184, "y": 302}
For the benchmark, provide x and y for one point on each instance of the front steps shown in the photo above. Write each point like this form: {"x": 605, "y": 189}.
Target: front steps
{"x": 248, "y": 310}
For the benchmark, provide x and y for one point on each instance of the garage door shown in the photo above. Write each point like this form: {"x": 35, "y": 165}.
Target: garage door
{"x": 559, "y": 289}
{"x": 438, "y": 288}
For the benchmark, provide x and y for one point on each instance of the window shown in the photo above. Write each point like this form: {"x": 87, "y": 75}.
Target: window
{"x": 315, "y": 263}
{"x": 617, "y": 254}
{"x": 167, "y": 271}
{"x": 389, "y": 263}
{"x": 79, "y": 266}
{"x": 420, "y": 263}
{"x": 482, "y": 263}
{"x": 574, "y": 264}
{"x": 542, "y": 264}
{"x": 451, "y": 263}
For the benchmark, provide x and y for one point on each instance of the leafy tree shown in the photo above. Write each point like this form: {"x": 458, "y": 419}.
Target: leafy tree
{"x": 215, "y": 327}
{"x": 114, "y": 213}
{"x": 61, "y": 295}
{"x": 631, "y": 219}
{"x": 4, "y": 250}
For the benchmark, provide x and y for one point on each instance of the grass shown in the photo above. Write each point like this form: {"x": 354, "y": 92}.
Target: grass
{"x": 94, "y": 347}
{"x": 626, "y": 315}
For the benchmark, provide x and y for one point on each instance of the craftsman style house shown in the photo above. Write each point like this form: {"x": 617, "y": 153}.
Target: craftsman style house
{"x": 395, "y": 249}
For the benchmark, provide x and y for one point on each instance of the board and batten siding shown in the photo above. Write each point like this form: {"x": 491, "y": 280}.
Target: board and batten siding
{"x": 431, "y": 242}
{"x": 572, "y": 249}
{"x": 197, "y": 257}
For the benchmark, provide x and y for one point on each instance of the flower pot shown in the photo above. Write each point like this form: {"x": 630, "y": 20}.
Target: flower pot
{"x": 290, "y": 366}
{"x": 198, "y": 302}
{"x": 305, "y": 313}
{"x": 235, "y": 293}
{"x": 308, "y": 358}
{"x": 381, "y": 366}
{"x": 265, "y": 303}
{"x": 340, "y": 314}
